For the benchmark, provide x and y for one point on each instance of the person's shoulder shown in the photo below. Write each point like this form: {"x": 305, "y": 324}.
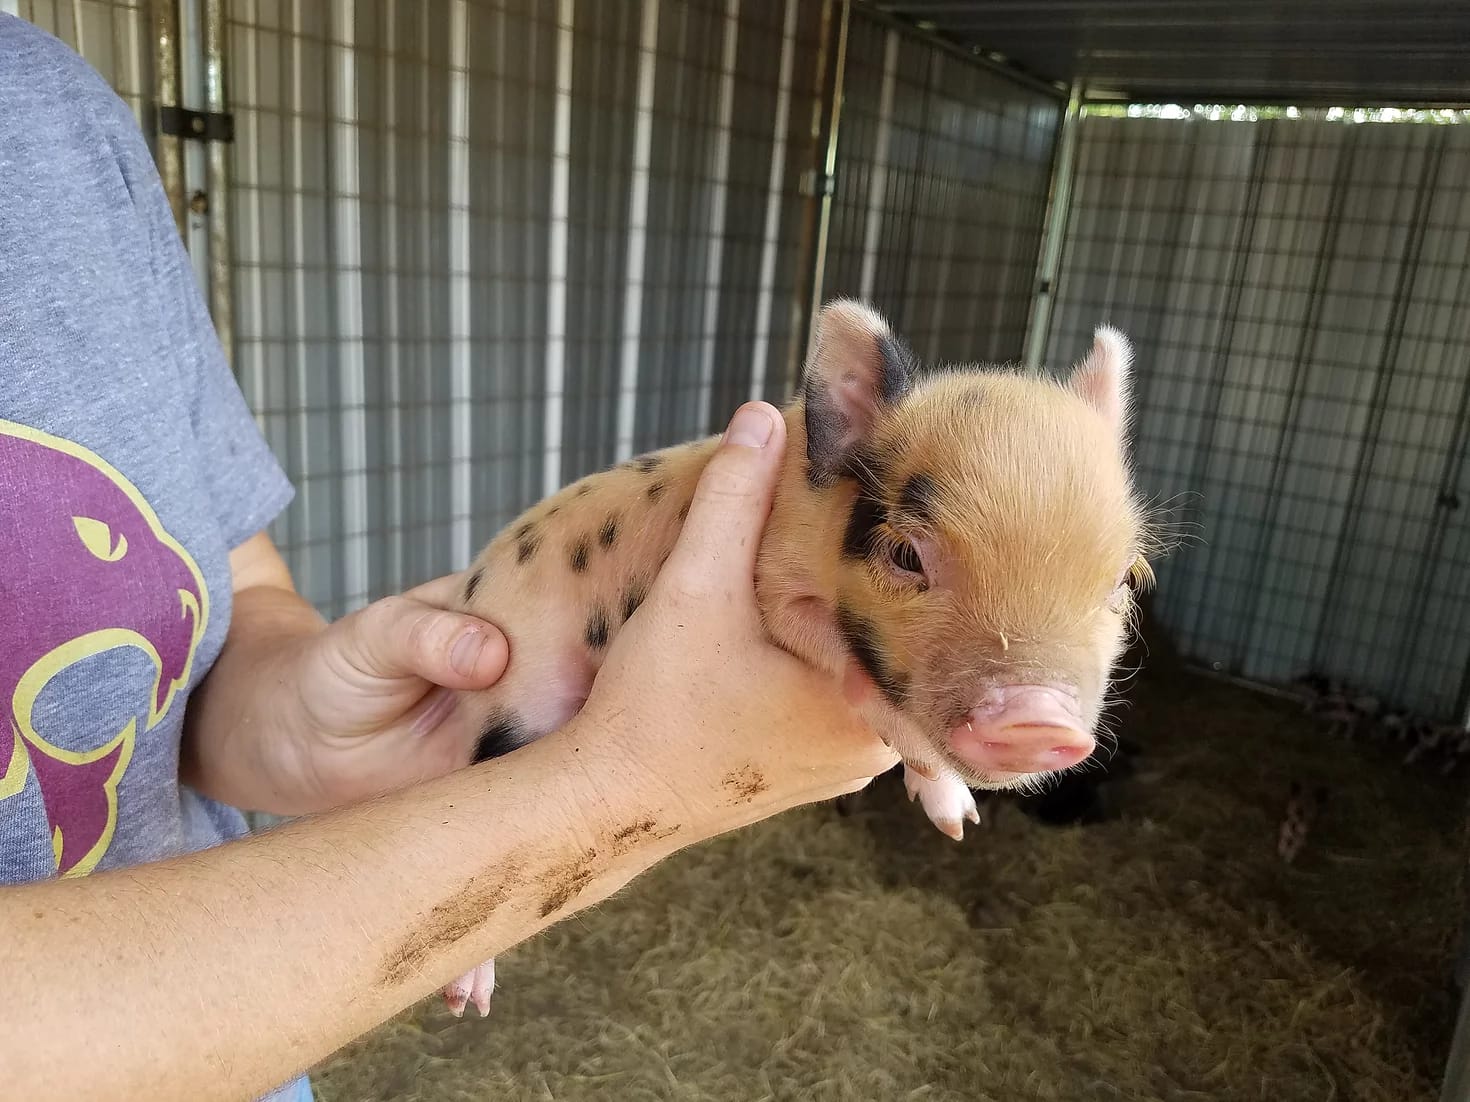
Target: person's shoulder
{"x": 39, "y": 72}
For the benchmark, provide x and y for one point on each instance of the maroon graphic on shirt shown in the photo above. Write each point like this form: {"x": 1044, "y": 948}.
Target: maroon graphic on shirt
{"x": 85, "y": 567}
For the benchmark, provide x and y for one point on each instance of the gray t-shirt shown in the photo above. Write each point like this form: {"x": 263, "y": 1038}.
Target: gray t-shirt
{"x": 129, "y": 468}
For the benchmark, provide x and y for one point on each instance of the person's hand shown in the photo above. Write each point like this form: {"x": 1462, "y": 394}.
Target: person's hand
{"x": 375, "y": 691}
{"x": 695, "y": 700}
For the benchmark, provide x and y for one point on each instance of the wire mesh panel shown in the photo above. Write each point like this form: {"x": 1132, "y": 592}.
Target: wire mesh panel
{"x": 482, "y": 248}
{"x": 942, "y": 176}
{"x": 729, "y": 138}
{"x": 111, "y": 34}
{"x": 1296, "y": 289}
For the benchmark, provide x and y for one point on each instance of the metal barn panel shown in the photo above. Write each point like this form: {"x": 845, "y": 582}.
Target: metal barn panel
{"x": 478, "y": 248}
{"x": 482, "y": 248}
{"x": 942, "y": 175}
{"x": 1295, "y": 290}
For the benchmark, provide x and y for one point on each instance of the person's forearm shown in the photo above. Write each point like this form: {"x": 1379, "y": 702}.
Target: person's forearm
{"x": 244, "y": 762}
{"x": 223, "y": 974}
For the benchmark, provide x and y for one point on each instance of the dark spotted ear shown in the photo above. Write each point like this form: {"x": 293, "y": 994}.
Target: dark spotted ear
{"x": 857, "y": 370}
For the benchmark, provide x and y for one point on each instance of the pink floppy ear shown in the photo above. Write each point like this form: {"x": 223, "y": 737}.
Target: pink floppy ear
{"x": 1101, "y": 380}
{"x": 857, "y": 371}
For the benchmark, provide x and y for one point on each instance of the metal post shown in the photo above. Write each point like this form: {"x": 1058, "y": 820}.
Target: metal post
{"x": 827, "y": 183}
{"x": 190, "y": 54}
{"x": 771, "y": 235}
{"x": 1053, "y": 236}
{"x": 217, "y": 181}
{"x": 819, "y": 185}
{"x": 164, "y": 17}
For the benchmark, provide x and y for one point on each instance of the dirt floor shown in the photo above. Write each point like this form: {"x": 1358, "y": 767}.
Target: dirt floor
{"x": 1163, "y": 954}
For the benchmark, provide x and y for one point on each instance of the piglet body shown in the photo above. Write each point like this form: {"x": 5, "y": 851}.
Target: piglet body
{"x": 968, "y": 538}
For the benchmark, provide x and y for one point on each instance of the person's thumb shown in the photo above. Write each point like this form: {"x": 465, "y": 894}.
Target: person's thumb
{"x": 716, "y": 551}
{"x": 400, "y": 637}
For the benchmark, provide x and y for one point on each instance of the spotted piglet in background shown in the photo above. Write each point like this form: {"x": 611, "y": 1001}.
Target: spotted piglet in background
{"x": 1302, "y": 811}
{"x": 970, "y": 537}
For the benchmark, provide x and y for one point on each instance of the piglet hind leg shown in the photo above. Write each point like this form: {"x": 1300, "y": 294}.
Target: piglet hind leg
{"x": 475, "y": 987}
{"x": 946, "y": 799}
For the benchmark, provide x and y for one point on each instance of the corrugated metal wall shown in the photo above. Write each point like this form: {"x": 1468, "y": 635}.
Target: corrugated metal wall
{"x": 1297, "y": 290}
{"x": 482, "y": 247}
{"x": 943, "y": 170}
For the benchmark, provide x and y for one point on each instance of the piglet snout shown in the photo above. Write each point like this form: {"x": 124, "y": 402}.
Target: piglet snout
{"x": 1022, "y": 729}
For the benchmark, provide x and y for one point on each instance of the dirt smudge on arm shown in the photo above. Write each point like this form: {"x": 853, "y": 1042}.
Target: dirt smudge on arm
{"x": 564, "y": 882}
{"x": 645, "y": 829}
{"x": 449, "y": 921}
{"x": 745, "y": 783}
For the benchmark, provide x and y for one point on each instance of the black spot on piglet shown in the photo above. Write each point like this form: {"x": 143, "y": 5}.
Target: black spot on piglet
{"x": 918, "y": 498}
{"x": 648, "y": 463}
{"x": 862, "y": 526}
{"x": 473, "y": 584}
{"x": 502, "y": 733}
{"x": 578, "y": 557}
{"x": 609, "y": 534}
{"x": 655, "y": 491}
{"x": 899, "y": 366}
{"x": 597, "y": 629}
{"x": 526, "y": 548}
{"x": 862, "y": 639}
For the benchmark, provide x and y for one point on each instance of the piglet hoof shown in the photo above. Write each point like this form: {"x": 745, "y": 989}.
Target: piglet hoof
{"x": 946, "y": 800}
{"x": 458, "y": 993}
{"x": 472, "y": 987}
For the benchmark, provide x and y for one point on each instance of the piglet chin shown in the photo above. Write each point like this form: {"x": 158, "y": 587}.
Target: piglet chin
{"x": 1019, "y": 731}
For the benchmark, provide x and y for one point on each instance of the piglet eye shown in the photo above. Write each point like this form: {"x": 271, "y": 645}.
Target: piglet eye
{"x": 906, "y": 557}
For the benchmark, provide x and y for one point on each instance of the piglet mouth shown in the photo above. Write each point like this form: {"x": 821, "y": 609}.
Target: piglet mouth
{"x": 1021, "y": 730}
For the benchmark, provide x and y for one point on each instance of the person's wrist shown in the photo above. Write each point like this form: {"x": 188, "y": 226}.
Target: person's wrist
{"x": 625, "y": 787}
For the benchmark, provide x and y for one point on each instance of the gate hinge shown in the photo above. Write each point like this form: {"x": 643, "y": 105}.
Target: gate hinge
{"x": 199, "y": 126}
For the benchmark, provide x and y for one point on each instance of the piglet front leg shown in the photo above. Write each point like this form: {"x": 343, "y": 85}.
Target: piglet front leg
{"x": 946, "y": 799}
{"x": 474, "y": 986}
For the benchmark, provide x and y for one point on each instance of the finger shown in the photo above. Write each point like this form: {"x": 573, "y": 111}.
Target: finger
{"x": 716, "y": 550}
{"x": 401, "y": 637}
{"x": 446, "y": 592}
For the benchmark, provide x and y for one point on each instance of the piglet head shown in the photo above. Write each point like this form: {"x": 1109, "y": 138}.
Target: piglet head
{"x": 986, "y": 543}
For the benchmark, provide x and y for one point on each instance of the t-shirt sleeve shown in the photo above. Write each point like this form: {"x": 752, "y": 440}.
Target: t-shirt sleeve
{"x": 246, "y": 483}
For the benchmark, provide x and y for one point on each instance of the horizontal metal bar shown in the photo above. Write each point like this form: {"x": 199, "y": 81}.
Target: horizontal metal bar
{"x": 1048, "y": 8}
{"x": 1241, "y": 682}
{"x": 1045, "y": 84}
{"x": 1254, "y": 96}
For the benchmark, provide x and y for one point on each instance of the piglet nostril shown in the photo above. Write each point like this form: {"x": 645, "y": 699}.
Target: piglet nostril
{"x": 1070, "y": 754}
